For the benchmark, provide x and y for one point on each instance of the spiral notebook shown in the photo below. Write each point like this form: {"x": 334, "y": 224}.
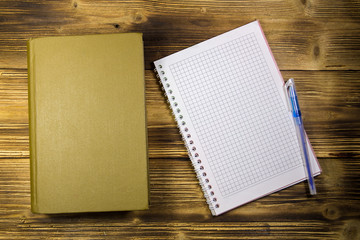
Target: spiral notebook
{"x": 227, "y": 97}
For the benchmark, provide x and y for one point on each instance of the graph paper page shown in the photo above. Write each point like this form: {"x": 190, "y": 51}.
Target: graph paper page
{"x": 226, "y": 93}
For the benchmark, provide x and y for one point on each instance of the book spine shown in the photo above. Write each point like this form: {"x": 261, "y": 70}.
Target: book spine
{"x": 188, "y": 141}
{"x": 32, "y": 124}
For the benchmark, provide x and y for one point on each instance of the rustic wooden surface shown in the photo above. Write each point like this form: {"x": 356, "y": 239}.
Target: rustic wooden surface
{"x": 316, "y": 42}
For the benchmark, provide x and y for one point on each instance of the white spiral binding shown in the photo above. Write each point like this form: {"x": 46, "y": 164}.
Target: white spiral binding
{"x": 189, "y": 143}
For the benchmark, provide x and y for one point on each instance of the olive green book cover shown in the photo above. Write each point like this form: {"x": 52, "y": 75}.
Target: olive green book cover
{"x": 87, "y": 121}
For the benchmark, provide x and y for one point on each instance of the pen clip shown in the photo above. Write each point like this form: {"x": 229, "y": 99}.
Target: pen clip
{"x": 288, "y": 83}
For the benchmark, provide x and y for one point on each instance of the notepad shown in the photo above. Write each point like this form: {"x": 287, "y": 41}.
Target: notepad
{"x": 228, "y": 99}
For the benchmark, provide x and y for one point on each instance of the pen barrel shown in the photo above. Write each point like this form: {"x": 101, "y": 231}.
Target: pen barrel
{"x": 305, "y": 154}
{"x": 294, "y": 102}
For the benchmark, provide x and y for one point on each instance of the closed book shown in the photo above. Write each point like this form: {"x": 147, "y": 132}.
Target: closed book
{"x": 87, "y": 121}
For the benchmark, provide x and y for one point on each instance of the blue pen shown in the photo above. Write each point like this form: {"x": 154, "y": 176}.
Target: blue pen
{"x": 295, "y": 108}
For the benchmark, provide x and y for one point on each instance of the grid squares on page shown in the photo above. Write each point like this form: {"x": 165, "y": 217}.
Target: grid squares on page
{"x": 237, "y": 114}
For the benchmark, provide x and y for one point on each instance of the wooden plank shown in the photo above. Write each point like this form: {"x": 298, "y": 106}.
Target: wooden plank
{"x": 188, "y": 230}
{"x": 59, "y": 10}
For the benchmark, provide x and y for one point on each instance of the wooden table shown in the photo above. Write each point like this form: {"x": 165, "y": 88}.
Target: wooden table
{"x": 316, "y": 42}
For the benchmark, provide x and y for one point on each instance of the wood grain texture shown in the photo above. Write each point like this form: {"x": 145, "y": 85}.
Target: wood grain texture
{"x": 316, "y": 42}
{"x": 303, "y": 35}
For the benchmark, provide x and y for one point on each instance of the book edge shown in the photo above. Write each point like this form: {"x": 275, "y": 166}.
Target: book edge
{"x": 32, "y": 124}
{"x": 141, "y": 36}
